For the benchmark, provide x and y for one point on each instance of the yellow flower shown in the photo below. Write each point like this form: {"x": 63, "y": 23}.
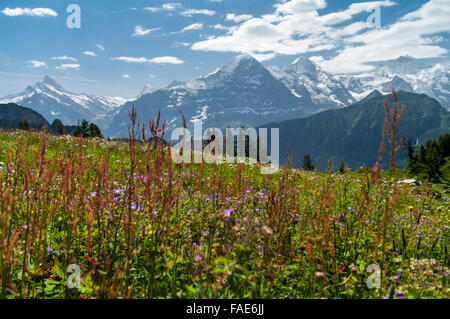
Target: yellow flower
{"x": 410, "y": 208}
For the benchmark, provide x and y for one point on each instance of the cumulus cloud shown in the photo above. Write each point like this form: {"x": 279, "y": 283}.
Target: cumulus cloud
{"x": 90, "y": 53}
{"x": 238, "y": 18}
{"x": 299, "y": 6}
{"x": 36, "y": 12}
{"x": 64, "y": 58}
{"x": 157, "y": 60}
{"x": 126, "y": 76}
{"x": 194, "y": 26}
{"x": 101, "y": 47}
{"x": 295, "y": 27}
{"x": 36, "y": 64}
{"x": 191, "y": 12}
{"x": 140, "y": 31}
{"x": 407, "y": 36}
{"x": 68, "y": 66}
{"x": 166, "y": 60}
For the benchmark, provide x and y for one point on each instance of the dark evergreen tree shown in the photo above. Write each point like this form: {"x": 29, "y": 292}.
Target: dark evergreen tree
{"x": 94, "y": 131}
{"x": 444, "y": 142}
{"x": 434, "y": 160}
{"x": 342, "y": 167}
{"x": 430, "y": 159}
{"x": 60, "y": 129}
{"x": 307, "y": 163}
{"x": 87, "y": 129}
{"x": 24, "y": 125}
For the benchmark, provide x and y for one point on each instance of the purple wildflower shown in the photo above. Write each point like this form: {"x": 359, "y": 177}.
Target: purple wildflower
{"x": 228, "y": 212}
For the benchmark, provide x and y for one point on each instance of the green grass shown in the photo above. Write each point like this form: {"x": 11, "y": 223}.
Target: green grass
{"x": 154, "y": 229}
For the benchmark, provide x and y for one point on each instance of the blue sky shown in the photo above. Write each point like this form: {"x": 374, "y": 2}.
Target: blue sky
{"x": 122, "y": 45}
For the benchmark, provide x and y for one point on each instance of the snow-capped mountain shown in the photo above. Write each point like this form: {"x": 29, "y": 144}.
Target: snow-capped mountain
{"x": 404, "y": 73}
{"x": 243, "y": 93}
{"x": 54, "y": 102}
{"x": 304, "y": 77}
{"x": 148, "y": 88}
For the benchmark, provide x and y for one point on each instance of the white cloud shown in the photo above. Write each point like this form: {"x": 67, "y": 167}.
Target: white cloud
{"x": 194, "y": 26}
{"x": 68, "y": 66}
{"x": 171, "y": 6}
{"x": 219, "y": 27}
{"x": 90, "y": 53}
{"x": 140, "y": 31}
{"x": 157, "y": 60}
{"x": 167, "y": 60}
{"x": 165, "y": 7}
{"x": 131, "y": 59}
{"x": 238, "y": 18}
{"x": 152, "y": 9}
{"x": 152, "y": 76}
{"x": 181, "y": 44}
{"x": 126, "y": 76}
{"x": 37, "y": 64}
{"x": 294, "y": 27}
{"x": 407, "y": 36}
{"x": 36, "y": 12}
{"x": 64, "y": 58}
{"x": 299, "y": 6}
{"x": 191, "y": 12}
{"x": 101, "y": 47}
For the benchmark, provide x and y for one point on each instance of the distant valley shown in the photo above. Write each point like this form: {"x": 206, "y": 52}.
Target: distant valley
{"x": 317, "y": 112}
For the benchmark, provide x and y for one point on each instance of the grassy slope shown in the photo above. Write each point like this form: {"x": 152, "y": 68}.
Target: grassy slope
{"x": 170, "y": 232}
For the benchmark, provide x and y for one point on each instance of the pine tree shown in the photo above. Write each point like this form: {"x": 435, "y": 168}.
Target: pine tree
{"x": 307, "y": 163}
{"x": 60, "y": 129}
{"x": 342, "y": 167}
{"x": 24, "y": 125}
{"x": 94, "y": 131}
{"x": 87, "y": 129}
{"x": 434, "y": 160}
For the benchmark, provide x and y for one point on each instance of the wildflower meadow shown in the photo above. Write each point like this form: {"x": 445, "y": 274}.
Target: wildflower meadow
{"x": 91, "y": 218}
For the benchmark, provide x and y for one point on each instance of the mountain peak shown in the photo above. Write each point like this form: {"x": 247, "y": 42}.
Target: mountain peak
{"x": 304, "y": 65}
{"x": 148, "y": 88}
{"x": 48, "y": 80}
{"x": 404, "y": 64}
{"x": 242, "y": 60}
{"x": 405, "y": 58}
{"x": 244, "y": 57}
{"x": 371, "y": 95}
